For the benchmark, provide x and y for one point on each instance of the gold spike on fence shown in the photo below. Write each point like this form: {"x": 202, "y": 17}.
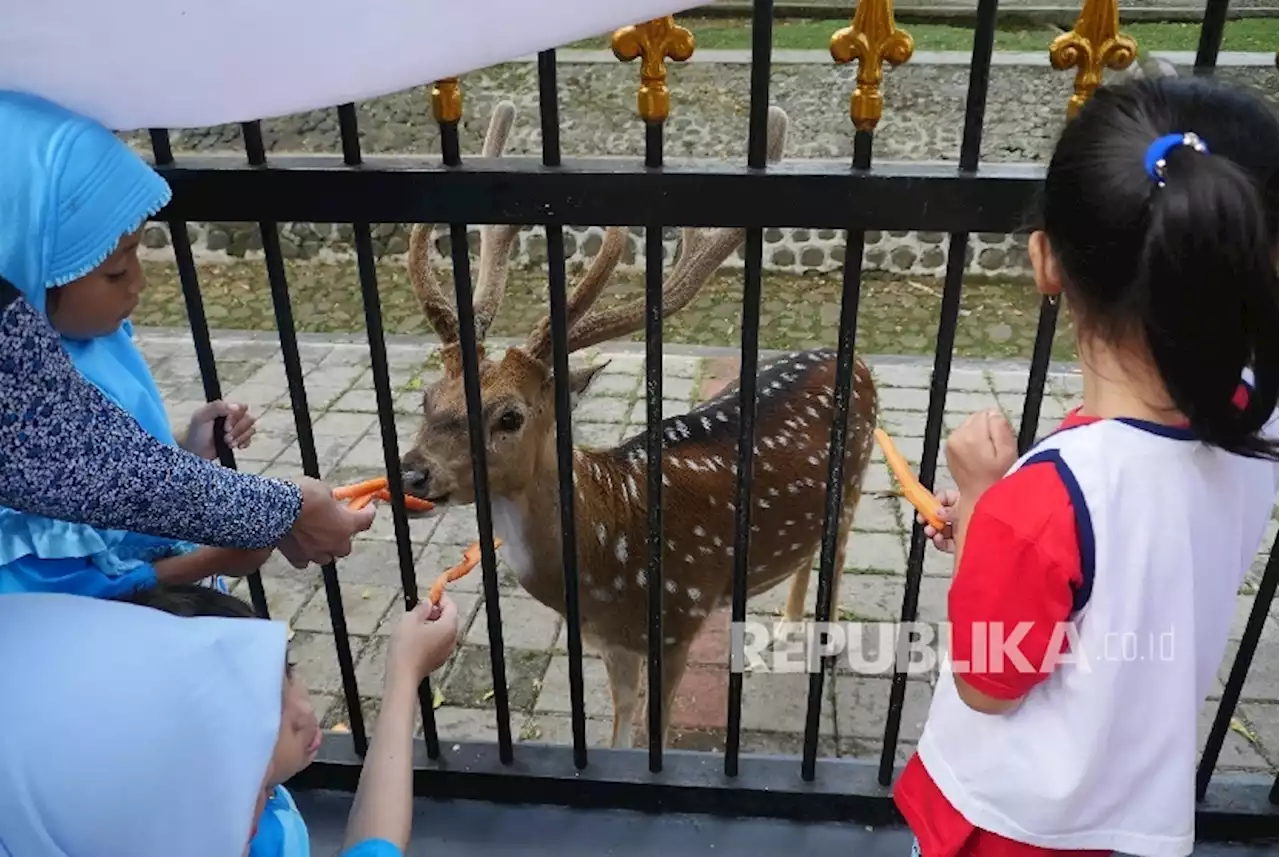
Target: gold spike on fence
{"x": 654, "y": 42}
{"x": 446, "y": 100}
{"x": 1094, "y": 43}
{"x": 872, "y": 39}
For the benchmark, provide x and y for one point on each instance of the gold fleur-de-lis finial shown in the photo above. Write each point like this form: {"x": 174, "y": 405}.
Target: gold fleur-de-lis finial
{"x": 446, "y": 100}
{"x": 654, "y": 42}
{"x": 872, "y": 40}
{"x": 1094, "y": 43}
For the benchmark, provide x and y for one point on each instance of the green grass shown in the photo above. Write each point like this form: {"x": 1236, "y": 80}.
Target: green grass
{"x": 1252, "y": 34}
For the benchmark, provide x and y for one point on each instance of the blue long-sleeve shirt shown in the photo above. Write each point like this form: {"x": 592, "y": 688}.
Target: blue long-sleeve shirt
{"x": 68, "y": 452}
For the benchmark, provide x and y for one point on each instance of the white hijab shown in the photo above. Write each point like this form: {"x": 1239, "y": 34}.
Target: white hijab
{"x": 128, "y": 732}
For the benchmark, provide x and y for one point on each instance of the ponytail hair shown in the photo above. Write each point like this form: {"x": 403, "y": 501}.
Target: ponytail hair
{"x": 1181, "y": 252}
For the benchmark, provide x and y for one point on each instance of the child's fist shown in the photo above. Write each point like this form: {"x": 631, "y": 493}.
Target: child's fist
{"x": 980, "y": 452}
{"x": 238, "y": 430}
{"x": 423, "y": 640}
{"x": 944, "y": 540}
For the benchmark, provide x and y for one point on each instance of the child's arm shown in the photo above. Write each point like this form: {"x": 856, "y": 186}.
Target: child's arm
{"x": 207, "y": 561}
{"x": 383, "y": 806}
{"x": 1018, "y": 567}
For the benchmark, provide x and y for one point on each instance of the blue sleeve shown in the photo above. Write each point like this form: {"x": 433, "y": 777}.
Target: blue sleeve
{"x": 75, "y": 576}
{"x": 69, "y": 453}
{"x": 373, "y": 848}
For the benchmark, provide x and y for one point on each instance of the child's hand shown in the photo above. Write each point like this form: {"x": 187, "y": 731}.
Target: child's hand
{"x": 944, "y": 540}
{"x": 980, "y": 452}
{"x": 239, "y": 428}
{"x": 423, "y": 640}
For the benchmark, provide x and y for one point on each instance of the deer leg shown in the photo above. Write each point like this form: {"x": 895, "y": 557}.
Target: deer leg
{"x": 623, "y": 667}
{"x": 794, "y": 609}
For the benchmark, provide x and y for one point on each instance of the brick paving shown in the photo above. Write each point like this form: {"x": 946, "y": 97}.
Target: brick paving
{"x": 347, "y": 433}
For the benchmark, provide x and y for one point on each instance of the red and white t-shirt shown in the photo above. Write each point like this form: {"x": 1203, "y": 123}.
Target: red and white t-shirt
{"x": 1133, "y": 538}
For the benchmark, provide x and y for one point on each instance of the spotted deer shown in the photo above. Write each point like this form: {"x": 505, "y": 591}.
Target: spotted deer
{"x": 793, "y": 425}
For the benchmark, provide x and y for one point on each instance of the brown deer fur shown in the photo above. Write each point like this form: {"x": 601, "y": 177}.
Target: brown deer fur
{"x": 793, "y": 426}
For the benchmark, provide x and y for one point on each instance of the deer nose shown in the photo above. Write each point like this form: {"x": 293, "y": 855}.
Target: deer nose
{"x": 417, "y": 478}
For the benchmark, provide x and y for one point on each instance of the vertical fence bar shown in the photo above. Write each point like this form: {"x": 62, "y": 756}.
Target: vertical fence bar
{"x": 948, "y": 320}
{"x": 279, "y": 283}
{"x": 1275, "y": 786}
{"x": 653, "y": 447}
{"x": 461, "y": 258}
{"x": 349, "y": 129}
{"x": 757, "y": 145}
{"x": 871, "y": 40}
{"x": 199, "y": 324}
{"x": 1211, "y": 29}
{"x": 1239, "y": 671}
{"x": 549, "y": 110}
{"x": 1041, "y": 353}
{"x": 655, "y": 41}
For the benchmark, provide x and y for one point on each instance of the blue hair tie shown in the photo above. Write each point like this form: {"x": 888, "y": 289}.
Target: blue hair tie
{"x": 1158, "y": 152}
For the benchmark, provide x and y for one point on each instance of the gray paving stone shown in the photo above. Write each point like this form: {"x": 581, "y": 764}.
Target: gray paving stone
{"x": 878, "y": 597}
{"x": 420, "y": 526}
{"x": 362, "y": 401}
{"x": 783, "y": 744}
{"x": 454, "y": 723}
{"x": 877, "y": 513}
{"x": 561, "y": 646}
{"x": 679, "y": 367}
{"x": 602, "y": 410}
{"x": 346, "y": 355}
{"x": 457, "y": 527}
{"x": 1262, "y": 717}
{"x": 371, "y": 563}
{"x": 604, "y": 435}
{"x": 966, "y": 403}
{"x": 900, "y": 375}
{"x": 1263, "y": 678}
{"x": 287, "y": 589}
{"x": 1270, "y": 630}
{"x": 904, "y": 399}
{"x": 554, "y": 695}
{"x": 553, "y": 729}
{"x": 776, "y": 702}
{"x": 877, "y": 479}
{"x": 900, "y": 423}
{"x": 471, "y": 681}
{"x": 862, "y": 707}
{"x": 858, "y": 748}
{"x": 362, "y": 606}
{"x": 1238, "y": 751}
{"x": 371, "y": 670}
{"x": 1070, "y": 385}
{"x": 678, "y": 388}
{"x": 638, "y": 415}
{"x": 526, "y": 624}
{"x": 610, "y": 385}
{"x": 315, "y": 660}
{"x": 875, "y": 551}
{"x": 1008, "y": 382}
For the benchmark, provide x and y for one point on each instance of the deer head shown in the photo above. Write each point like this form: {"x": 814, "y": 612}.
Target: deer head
{"x": 517, "y": 390}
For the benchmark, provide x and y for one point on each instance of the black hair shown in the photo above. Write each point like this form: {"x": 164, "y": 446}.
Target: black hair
{"x": 1188, "y": 266}
{"x": 190, "y": 600}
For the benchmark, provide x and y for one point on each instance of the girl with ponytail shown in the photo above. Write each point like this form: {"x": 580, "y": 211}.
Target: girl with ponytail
{"x": 1096, "y": 575}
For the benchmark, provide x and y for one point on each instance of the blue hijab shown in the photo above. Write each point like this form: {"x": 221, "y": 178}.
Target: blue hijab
{"x": 69, "y": 191}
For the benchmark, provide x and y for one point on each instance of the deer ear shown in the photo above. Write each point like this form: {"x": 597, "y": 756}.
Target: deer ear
{"x": 580, "y": 379}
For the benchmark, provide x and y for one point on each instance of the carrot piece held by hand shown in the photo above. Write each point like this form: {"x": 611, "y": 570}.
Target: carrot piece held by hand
{"x": 359, "y": 489}
{"x": 470, "y": 559}
{"x": 360, "y": 502}
{"x": 917, "y": 495}
{"x": 413, "y": 504}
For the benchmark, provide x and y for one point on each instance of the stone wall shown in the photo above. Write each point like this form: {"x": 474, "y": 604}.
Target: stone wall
{"x": 790, "y": 250}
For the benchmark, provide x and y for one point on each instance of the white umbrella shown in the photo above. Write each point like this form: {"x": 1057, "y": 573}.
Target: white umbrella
{"x": 180, "y": 64}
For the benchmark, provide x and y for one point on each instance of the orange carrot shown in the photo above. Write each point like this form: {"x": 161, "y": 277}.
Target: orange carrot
{"x": 413, "y": 504}
{"x": 470, "y": 559}
{"x": 358, "y": 489}
{"x": 917, "y": 495}
{"x": 360, "y": 502}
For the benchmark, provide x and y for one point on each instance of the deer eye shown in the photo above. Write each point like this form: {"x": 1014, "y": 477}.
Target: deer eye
{"x": 510, "y": 421}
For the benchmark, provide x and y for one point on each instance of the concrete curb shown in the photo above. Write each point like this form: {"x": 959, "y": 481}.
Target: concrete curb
{"x": 1038, "y": 59}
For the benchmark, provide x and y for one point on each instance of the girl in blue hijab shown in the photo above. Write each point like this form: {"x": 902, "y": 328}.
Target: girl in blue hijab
{"x": 73, "y": 201}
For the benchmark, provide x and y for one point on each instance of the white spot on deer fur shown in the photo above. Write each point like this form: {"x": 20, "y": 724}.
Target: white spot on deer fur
{"x": 711, "y": 499}
{"x": 632, "y": 489}
{"x": 665, "y": 480}
{"x": 688, "y": 558}
{"x": 675, "y": 463}
{"x": 772, "y": 492}
{"x": 824, "y": 401}
{"x": 602, "y": 595}
{"x": 789, "y": 522}
{"x": 671, "y": 544}
{"x": 706, "y": 423}
{"x": 762, "y": 503}
{"x": 697, "y": 612}
{"x": 813, "y": 459}
{"x": 694, "y": 593}
{"x": 793, "y": 488}
{"x": 768, "y": 442}
{"x": 692, "y": 465}
{"x": 682, "y": 428}
{"x": 721, "y": 417}
{"x": 808, "y": 516}
{"x": 699, "y": 532}
{"x": 766, "y": 467}
{"x": 777, "y": 553}
{"x": 602, "y": 535}
{"x": 595, "y": 470}
{"x": 670, "y": 586}
{"x": 619, "y": 583}
{"x": 716, "y": 540}
{"x": 809, "y": 409}
{"x": 620, "y": 549}
{"x": 671, "y": 435}
{"x": 642, "y": 579}
{"x": 670, "y": 641}
{"x": 795, "y": 546}
{"x": 704, "y": 550}
{"x": 787, "y": 376}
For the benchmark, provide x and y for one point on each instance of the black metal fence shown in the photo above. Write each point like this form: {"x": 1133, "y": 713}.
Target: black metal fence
{"x": 555, "y": 192}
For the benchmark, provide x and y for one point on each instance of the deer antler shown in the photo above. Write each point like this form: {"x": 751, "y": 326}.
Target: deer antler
{"x": 584, "y": 293}
{"x": 495, "y": 241}
{"x": 701, "y": 253}
{"x": 495, "y": 255}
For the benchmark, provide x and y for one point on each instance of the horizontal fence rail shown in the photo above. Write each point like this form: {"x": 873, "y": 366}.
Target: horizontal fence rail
{"x": 556, "y": 192}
